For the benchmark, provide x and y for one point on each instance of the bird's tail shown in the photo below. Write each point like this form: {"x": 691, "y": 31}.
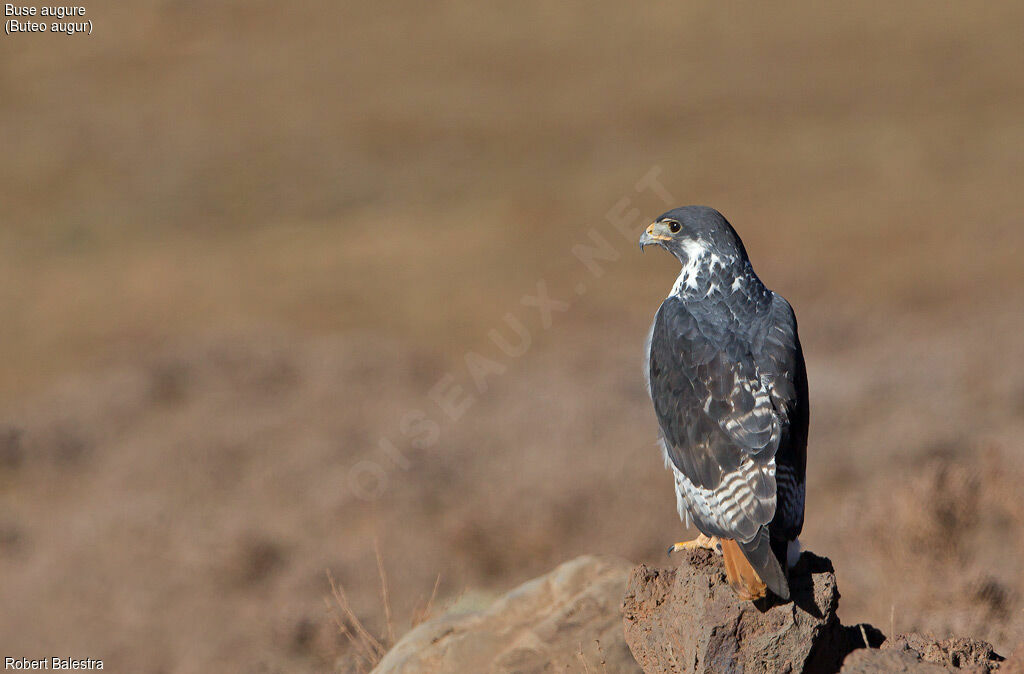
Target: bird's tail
{"x": 751, "y": 568}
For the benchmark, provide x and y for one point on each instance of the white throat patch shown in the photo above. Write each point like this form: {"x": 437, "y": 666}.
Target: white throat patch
{"x": 698, "y": 256}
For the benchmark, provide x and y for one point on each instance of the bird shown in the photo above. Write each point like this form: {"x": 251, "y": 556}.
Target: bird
{"x": 726, "y": 375}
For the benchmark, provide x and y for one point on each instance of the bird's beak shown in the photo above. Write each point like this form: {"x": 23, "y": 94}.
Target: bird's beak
{"x": 656, "y": 232}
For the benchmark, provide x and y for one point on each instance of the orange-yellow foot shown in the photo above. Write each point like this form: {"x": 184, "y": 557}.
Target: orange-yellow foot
{"x": 702, "y": 541}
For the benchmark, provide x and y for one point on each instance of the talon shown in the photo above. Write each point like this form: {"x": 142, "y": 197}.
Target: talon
{"x": 702, "y": 541}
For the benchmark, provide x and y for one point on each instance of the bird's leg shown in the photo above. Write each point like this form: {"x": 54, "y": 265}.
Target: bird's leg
{"x": 702, "y": 541}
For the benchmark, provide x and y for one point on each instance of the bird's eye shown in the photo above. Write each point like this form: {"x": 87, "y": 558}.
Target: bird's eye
{"x": 673, "y": 226}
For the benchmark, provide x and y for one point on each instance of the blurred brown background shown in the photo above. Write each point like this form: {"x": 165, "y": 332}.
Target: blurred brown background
{"x": 241, "y": 242}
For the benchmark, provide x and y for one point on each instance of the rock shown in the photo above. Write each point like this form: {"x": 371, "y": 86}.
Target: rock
{"x": 873, "y": 661}
{"x": 688, "y": 619}
{"x": 922, "y": 653}
{"x": 567, "y": 620}
{"x": 926, "y": 653}
{"x": 684, "y": 619}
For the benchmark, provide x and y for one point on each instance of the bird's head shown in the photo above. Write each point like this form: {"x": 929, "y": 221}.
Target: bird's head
{"x": 691, "y": 232}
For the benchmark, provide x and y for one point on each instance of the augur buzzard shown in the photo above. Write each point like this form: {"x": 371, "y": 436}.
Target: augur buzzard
{"x": 728, "y": 383}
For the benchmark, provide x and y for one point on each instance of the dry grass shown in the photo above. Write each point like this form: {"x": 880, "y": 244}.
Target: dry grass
{"x": 424, "y": 611}
{"x": 385, "y": 596}
{"x": 954, "y": 525}
{"x": 366, "y": 648}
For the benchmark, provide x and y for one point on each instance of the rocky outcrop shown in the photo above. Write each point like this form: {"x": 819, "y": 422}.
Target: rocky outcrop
{"x": 688, "y": 619}
{"x": 581, "y": 616}
{"x": 567, "y": 620}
